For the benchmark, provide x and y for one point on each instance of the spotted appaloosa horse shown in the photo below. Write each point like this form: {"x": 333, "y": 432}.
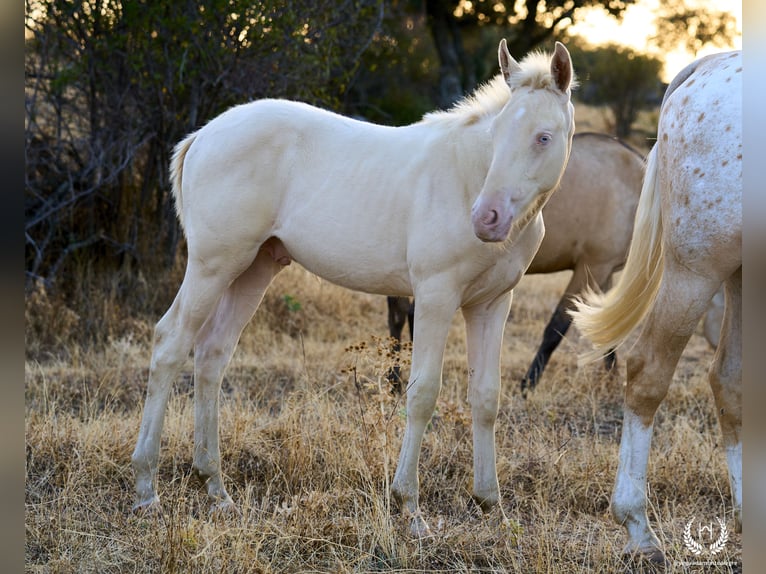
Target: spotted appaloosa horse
{"x": 446, "y": 209}
{"x": 687, "y": 242}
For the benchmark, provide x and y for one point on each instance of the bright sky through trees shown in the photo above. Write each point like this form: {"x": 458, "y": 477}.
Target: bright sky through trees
{"x": 638, "y": 24}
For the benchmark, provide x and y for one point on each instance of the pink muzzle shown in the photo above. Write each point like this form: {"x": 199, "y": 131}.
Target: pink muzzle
{"x": 491, "y": 220}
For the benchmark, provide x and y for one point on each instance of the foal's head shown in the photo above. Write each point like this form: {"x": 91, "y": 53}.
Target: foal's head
{"x": 531, "y": 139}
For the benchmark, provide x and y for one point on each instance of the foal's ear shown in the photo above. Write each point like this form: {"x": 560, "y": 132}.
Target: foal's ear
{"x": 561, "y": 67}
{"x": 507, "y": 64}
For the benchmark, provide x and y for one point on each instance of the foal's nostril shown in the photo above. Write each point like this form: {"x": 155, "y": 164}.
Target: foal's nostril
{"x": 491, "y": 217}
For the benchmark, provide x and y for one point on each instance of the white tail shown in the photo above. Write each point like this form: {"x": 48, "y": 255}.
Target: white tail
{"x": 608, "y": 318}
{"x": 177, "y": 171}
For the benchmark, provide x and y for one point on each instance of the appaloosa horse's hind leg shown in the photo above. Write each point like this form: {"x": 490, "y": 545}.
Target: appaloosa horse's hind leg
{"x": 726, "y": 383}
{"x": 681, "y": 301}
{"x": 213, "y": 349}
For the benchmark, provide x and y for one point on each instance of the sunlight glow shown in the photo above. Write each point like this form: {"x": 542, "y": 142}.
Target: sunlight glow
{"x": 637, "y": 26}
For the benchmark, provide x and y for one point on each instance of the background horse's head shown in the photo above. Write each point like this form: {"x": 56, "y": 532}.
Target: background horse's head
{"x": 531, "y": 139}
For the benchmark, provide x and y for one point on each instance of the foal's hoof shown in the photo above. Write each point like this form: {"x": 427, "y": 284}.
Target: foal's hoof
{"x": 419, "y": 527}
{"x": 151, "y": 507}
{"x": 501, "y": 526}
{"x": 223, "y": 509}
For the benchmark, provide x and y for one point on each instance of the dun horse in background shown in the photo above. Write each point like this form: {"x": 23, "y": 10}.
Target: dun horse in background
{"x": 588, "y": 225}
{"x": 686, "y": 244}
{"x": 446, "y": 209}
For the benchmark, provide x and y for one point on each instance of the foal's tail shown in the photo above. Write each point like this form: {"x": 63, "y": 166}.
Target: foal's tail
{"x": 607, "y": 319}
{"x": 177, "y": 171}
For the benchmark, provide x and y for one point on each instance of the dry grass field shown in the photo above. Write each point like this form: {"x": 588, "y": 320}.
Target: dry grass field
{"x": 310, "y": 436}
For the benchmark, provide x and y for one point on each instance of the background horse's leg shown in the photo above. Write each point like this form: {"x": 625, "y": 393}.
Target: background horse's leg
{"x": 726, "y": 383}
{"x": 432, "y": 321}
{"x": 484, "y": 338}
{"x": 711, "y": 326}
{"x": 681, "y": 301}
{"x": 399, "y": 310}
{"x": 213, "y": 349}
{"x": 173, "y": 339}
{"x": 583, "y": 275}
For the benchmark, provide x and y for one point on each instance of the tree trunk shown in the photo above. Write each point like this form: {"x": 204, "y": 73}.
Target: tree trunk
{"x": 447, "y": 41}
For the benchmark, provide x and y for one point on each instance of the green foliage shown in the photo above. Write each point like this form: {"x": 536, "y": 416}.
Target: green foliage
{"x": 292, "y": 304}
{"x": 112, "y": 85}
{"x": 526, "y": 24}
{"x": 693, "y": 27}
{"x": 396, "y": 81}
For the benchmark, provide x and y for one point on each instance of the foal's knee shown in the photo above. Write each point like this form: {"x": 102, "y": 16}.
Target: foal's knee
{"x": 210, "y": 360}
{"x": 484, "y": 404}
{"x": 421, "y": 399}
{"x": 484, "y": 411}
{"x": 169, "y": 353}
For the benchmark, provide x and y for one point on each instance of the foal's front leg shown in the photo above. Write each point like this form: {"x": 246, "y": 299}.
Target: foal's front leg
{"x": 432, "y": 321}
{"x": 484, "y": 338}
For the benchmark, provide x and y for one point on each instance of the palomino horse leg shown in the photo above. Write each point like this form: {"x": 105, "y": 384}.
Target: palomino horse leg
{"x": 552, "y": 335}
{"x": 558, "y": 325}
{"x": 726, "y": 383}
{"x": 484, "y": 338}
{"x": 681, "y": 301}
{"x": 399, "y": 309}
{"x": 173, "y": 339}
{"x": 213, "y": 349}
{"x": 711, "y": 326}
{"x": 610, "y": 359}
{"x": 432, "y": 320}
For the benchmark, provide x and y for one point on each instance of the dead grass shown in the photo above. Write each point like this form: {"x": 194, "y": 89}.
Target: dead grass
{"x": 310, "y": 437}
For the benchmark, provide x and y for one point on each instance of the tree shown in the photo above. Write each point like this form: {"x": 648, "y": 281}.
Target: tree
{"x": 526, "y": 25}
{"x": 692, "y": 27}
{"x": 618, "y": 77}
{"x": 112, "y": 85}
{"x": 397, "y": 80}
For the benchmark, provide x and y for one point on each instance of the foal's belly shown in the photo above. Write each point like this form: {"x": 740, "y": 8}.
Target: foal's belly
{"x": 350, "y": 265}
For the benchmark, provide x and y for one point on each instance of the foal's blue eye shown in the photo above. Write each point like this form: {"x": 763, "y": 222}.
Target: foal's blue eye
{"x": 544, "y": 139}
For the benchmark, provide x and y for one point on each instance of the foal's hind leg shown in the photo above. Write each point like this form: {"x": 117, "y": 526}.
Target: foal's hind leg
{"x": 680, "y": 303}
{"x": 173, "y": 339}
{"x": 213, "y": 349}
{"x": 726, "y": 383}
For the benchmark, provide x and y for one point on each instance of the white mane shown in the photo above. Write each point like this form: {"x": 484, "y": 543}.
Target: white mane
{"x": 489, "y": 98}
